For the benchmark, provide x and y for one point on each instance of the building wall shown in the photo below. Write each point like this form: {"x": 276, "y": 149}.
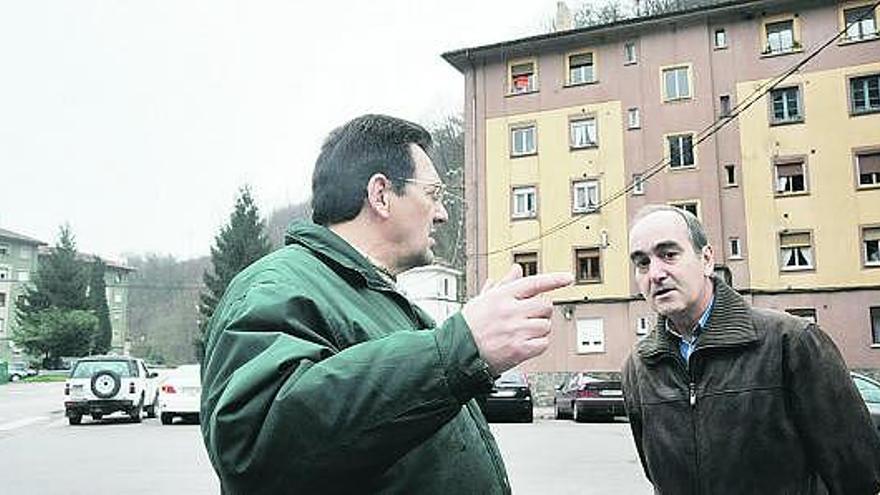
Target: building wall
{"x": 21, "y": 261}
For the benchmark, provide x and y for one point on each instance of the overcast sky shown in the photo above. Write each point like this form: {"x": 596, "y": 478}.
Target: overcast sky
{"x": 137, "y": 121}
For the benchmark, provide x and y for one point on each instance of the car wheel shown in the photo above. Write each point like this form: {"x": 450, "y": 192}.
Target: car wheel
{"x": 556, "y": 412}
{"x": 74, "y": 420}
{"x": 97, "y": 416}
{"x": 166, "y": 418}
{"x": 105, "y": 384}
{"x": 152, "y": 408}
{"x": 136, "y": 411}
{"x": 14, "y": 378}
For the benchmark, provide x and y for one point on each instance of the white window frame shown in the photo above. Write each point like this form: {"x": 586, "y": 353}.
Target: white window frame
{"x": 633, "y": 120}
{"x": 3, "y": 299}
{"x": 630, "y": 55}
{"x": 590, "y": 196}
{"x": 521, "y": 207}
{"x": 577, "y": 270}
{"x": 638, "y": 184}
{"x": 23, "y": 276}
{"x": 532, "y": 76}
{"x": 790, "y": 250}
{"x": 685, "y": 205}
{"x": 791, "y": 112}
{"x": 584, "y": 73}
{"x": 862, "y": 84}
{"x": 680, "y": 141}
{"x": 5, "y": 272}
{"x": 719, "y": 42}
{"x": 778, "y": 41}
{"x": 523, "y": 140}
{"x": 871, "y": 237}
{"x": 2, "y": 325}
{"x": 681, "y": 83}
{"x": 583, "y": 133}
{"x": 735, "y": 248}
{"x": 783, "y": 185}
{"x": 590, "y": 334}
{"x": 873, "y": 177}
{"x": 730, "y": 173}
{"x": 4, "y": 249}
{"x": 865, "y": 29}
{"x": 643, "y": 326}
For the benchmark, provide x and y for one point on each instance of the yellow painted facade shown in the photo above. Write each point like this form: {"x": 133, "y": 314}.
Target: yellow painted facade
{"x": 833, "y": 210}
{"x": 551, "y": 170}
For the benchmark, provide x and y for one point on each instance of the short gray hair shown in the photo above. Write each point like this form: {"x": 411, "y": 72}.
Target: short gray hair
{"x": 694, "y": 227}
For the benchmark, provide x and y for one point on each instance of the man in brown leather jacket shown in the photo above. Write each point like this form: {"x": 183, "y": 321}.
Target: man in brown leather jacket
{"x": 728, "y": 399}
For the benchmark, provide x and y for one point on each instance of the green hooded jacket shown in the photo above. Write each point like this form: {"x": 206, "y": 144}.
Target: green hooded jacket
{"x": 319, "y": 377}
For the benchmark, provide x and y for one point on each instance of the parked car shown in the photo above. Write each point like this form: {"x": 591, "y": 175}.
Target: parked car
{"x": 20, "y": 370}
{"x": 510, "y": 399}
{"x": 102, "y": 385}
{"x": 180, "y": 394}
{"x": 588, "y": 396}
{"x": 870, "y": 391}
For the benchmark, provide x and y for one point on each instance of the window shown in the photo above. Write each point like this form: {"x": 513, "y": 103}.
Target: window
{"x": 796, "y": 251}
{"x": 724, "y": 105}
{"x": 735, "y": 250}
{"x": 522, "y": 141}
{"x": 638, "y": 184}
{"x": 681, "y": 150}
{"x": 875, "y": 325}
{"x": 446, "y": 286}
{"x": 642, "y": 326}
{"x": 118, "y": 277}
{"x": 524, "y": 202}
{"x": 861, "y": 23}
{"x": 582, "y": 133}
{"x": 676, "y": 83}
{"x": 2, "y": 325}
{"x": 588, "y": 263}
{"x": 24, "y": 275}
{"x": 785, "y": 106}
{"x": 590, "y": 335}
{"x": 2, "y": 299}
{"x": 24, "y": 252}
{"x": 528, "y": 262}
{"x": 780, "y": 37}
{"x": 865, "y": 94}
{"x": 871, "y": 245}
{"x": 808, "y": 313}
{"x": 585, "y": 196}
{"x": 4, "y": 273}
{"x": 4, "y": 249}
{"x": 523, "y": 78}
{"x": 790, "y": 178}
{"x": 720, "y": 38}
{"x": 730, "y": 174}
{"x": 868, "y": 168}
{"x": 688, "y": 206}
{"x": 117, "y": 298}
{"x": 632, "y": 118}
{"x": 581, "y": 69}
{"x": 629, "y": 52}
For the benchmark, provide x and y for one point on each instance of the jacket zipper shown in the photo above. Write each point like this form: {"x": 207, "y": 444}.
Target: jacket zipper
{"x": 687, "y": 370}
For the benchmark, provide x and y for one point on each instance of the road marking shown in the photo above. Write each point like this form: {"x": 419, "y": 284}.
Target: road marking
{"x": 22, "y": 423}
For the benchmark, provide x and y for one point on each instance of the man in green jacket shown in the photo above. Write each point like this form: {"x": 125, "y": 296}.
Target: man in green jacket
{"x": 320, "y": 377}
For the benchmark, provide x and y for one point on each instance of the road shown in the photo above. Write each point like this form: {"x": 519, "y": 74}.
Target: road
{"x": 41, "y": 453}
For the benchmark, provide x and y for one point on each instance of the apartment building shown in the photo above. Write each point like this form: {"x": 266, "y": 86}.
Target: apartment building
{"x": 18, "y": 262}
{"x": 569, "y": 133}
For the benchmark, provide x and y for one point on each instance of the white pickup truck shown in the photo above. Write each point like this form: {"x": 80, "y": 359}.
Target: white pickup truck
{"x": 101, "y": 385}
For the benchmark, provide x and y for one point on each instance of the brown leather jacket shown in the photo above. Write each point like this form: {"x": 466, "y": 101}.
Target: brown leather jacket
{"x": 766, "y": 407}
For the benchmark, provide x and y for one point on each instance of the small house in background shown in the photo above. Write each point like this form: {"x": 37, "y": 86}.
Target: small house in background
{"x": 434, "y": 288}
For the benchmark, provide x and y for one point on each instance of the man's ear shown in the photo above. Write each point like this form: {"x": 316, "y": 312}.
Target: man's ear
{"x": 379, "y": 193}
{"x": 708, "y": 260}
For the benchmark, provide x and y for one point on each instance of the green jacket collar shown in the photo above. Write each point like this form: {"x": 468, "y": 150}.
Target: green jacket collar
{"x": 329, "y": 246}
{"x": 729, "y": 325}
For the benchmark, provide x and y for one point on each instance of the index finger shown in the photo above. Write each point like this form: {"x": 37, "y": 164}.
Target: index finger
{"x": 533, "y": 285}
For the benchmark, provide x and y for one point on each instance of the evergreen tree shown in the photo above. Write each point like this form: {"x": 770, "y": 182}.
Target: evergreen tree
{"x": 97, "y": 300}
{"x": 240, "y": 242}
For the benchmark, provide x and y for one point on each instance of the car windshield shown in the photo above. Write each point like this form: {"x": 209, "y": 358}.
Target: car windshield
{"x": 870, "y": 392}
{"x": 85, "y": 369}
{"x": 511, "y": 378}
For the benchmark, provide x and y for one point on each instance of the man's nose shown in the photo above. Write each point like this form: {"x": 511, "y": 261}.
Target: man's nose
{"x": 440, "y": 213}
{"x": 657, "y": 271}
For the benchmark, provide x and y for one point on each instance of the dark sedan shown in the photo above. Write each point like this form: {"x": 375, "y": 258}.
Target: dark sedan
{"x": 870, "y": 390}
{"x": 510, "y": 399}
{"x": 588, "y": 396}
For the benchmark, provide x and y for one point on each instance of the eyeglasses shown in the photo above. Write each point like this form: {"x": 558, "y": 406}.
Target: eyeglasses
{"x": 436, "y": 190}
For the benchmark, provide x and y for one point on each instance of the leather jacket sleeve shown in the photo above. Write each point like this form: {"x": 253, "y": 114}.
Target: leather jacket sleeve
{"x": 632, "y": 402}
{"x": 831, "y": 418}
